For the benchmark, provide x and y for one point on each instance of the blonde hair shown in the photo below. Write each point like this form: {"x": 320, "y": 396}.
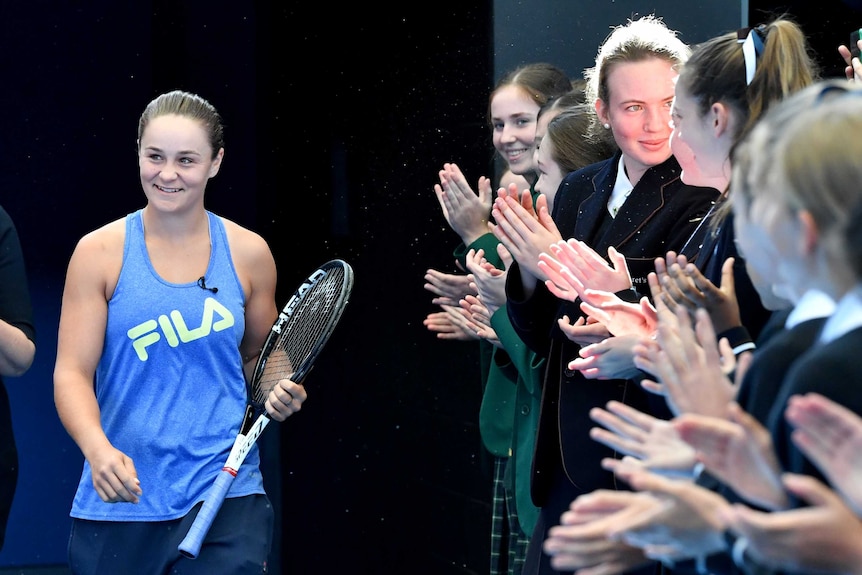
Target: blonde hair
{"x": 636, "y": 41}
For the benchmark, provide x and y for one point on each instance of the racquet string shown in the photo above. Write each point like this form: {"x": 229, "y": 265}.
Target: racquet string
{"x": 302, "y": 334}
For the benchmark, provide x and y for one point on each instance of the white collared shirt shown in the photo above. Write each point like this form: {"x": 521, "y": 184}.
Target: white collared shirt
{"x": 846, "y": 317}
{"x": 813, "y": 304}
{"x": 622, "y": 189}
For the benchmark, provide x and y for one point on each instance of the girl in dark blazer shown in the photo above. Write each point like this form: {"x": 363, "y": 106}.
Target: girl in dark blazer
{"x": 651, "y": 211}
{"x": 716, "y": 101}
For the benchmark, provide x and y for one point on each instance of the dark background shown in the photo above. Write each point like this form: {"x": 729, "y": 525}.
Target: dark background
{"x": 337, "y": 120}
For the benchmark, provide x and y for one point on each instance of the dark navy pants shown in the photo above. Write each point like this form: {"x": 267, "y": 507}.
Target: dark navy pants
{"x": 238, "y": 543}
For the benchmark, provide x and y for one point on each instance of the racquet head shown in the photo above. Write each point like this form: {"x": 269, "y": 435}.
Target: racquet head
{"x": 302, "y": 329}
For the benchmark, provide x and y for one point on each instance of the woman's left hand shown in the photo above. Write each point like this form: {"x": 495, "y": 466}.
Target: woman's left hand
{"x": 285, "y": 399}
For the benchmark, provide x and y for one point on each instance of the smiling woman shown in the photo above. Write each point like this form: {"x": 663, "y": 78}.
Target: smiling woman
{"x": 156, "y": 417}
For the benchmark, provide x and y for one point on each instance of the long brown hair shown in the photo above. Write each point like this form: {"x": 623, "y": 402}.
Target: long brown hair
{"x": 716, "y": 72}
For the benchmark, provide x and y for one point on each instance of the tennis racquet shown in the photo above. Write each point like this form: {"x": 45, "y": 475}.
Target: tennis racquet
{"x": 295, "y": 341}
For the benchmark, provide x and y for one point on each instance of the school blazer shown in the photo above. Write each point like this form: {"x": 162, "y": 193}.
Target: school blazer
{"x": 660, "y": 215}
{"x": 833, "y": 370}
{"x": 772, "y": 360}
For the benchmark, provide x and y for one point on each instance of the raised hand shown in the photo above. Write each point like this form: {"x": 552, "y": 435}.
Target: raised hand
{"x": 588, "y": 268}
{"x": 620, "y": 317}
{"x": 466, "y": 212}
{"x": 682, "y": 284}
{"x": 449, "y": 288}
{"x": 581, "y": 541}
{"x": 830, "y": 435}
{"x": 526, "y": 231}
{"x": 610, "y": 358}
{"x": 738, "y": 451}
{"x": 654, "y": 443}
{"x": 853, "y": 68}
{"x": 824, "y": 536}
{"x": 689, "y": 365}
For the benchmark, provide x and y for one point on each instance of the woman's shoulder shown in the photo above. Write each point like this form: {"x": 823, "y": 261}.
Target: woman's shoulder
{"x": 98, "y": 256}
{"x": 107, "y": 236}
{"x": 246, "y": 245}
{"x": 240, "y": 233}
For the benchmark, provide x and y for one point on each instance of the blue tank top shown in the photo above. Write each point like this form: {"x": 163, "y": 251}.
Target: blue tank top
{"x": 170, "y": 384}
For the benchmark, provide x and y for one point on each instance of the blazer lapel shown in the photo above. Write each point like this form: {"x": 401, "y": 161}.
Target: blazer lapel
{"x": 645, "y": 201}
{"x": 592, "y": 209}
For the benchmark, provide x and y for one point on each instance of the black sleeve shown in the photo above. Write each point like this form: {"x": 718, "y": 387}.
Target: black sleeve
{"x": 15, "y": 306}
{"x": 531, "y": 316}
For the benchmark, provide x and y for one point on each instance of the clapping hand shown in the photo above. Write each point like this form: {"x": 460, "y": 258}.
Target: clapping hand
{"x": 821, "y": 537}
{"x": 479, "y": 318}
{"x": 690, "y": 522}
{"x": 652, "y": 443}
{"x": 572, "y": 266}
{"x": 449, "y": 288}
{"x": 583, "y": 331}
{"x": 526, "y": 231}
{"x": 619, "y": 316}
{"x": 488, "y": 281}
{"x": 683, "y": 284}
{"x": 610, "y": 358}
{"x": 831, "y": 436}
{"x": 450, "y": 324}
{"x": 689, "y": 364}
{"x": 581, "y": 541}
{"x": 465, "y": 211}
{"x": 738, "y": 451}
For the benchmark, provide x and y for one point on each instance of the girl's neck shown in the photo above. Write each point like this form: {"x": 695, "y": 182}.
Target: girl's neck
{"x": 532, "y": 177}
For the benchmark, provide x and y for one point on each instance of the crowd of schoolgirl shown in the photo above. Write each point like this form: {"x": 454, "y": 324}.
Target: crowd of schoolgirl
{"x": 664, "y": 280}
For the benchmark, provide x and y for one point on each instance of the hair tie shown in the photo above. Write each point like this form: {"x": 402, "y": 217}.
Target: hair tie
{"x": 752, "y": 47}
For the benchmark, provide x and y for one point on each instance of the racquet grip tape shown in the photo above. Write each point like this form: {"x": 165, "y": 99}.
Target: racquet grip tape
{"x": 191, "y": 544}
